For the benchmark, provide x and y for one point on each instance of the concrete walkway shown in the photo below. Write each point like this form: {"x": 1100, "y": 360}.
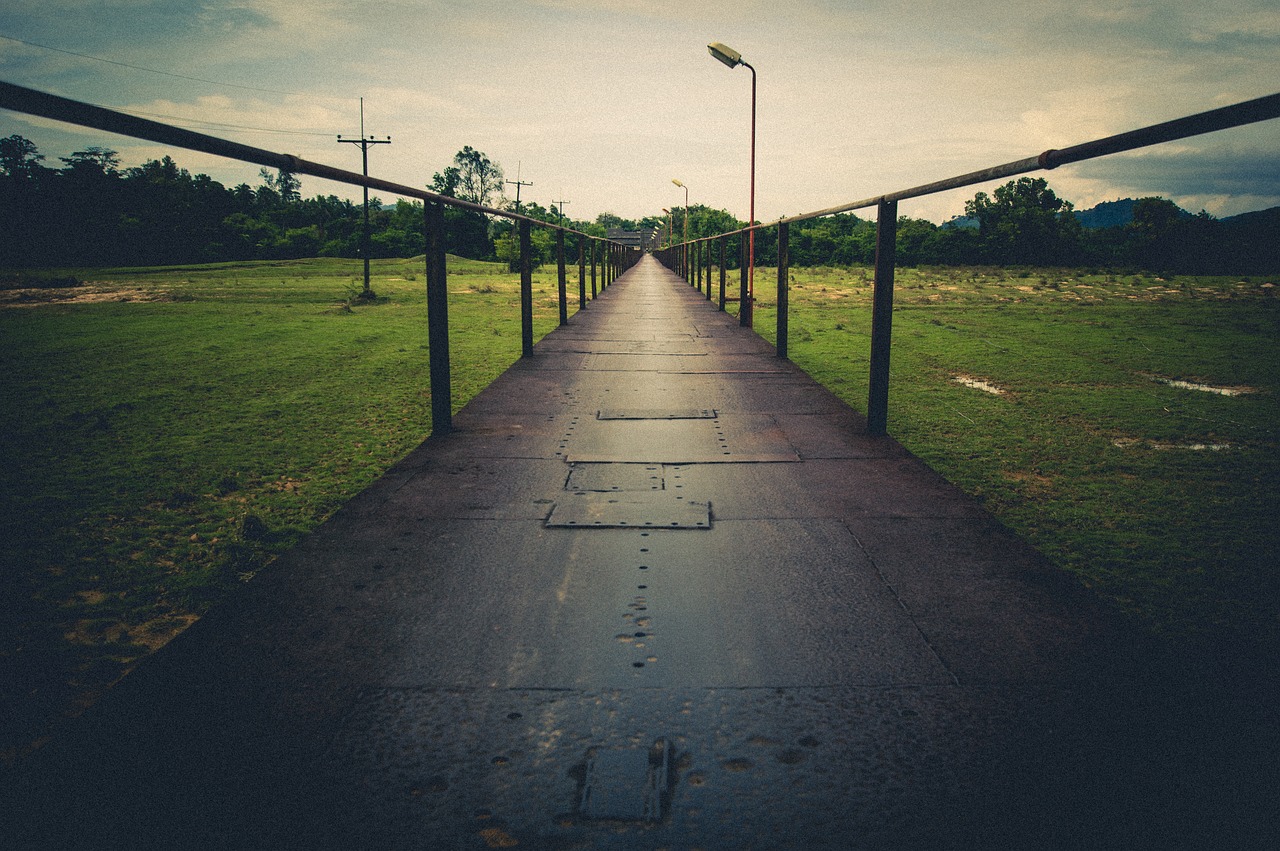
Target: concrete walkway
{"x": 658, "y": 590}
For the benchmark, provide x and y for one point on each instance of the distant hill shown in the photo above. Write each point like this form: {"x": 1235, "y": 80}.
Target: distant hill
{"x": 1108, "y": 214}
{"x": 1261, "y": 220}
{"x": 1111, "y": 214}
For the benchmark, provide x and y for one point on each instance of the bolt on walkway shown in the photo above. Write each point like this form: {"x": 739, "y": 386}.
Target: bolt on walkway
{"x": 658, "y": 589}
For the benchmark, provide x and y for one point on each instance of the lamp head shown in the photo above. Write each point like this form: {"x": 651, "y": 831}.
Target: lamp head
{"x": 677, "y": 183}
{"x": 725, "y": 54}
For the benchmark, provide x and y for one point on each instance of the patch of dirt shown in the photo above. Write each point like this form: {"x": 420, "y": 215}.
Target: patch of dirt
{"x": 87, "y": 294}
{"x": 152, "y": 634}
{"x": 1203, "y": 388}
{"x": 1132, "y": 442}
{"x": 979, "y": 384}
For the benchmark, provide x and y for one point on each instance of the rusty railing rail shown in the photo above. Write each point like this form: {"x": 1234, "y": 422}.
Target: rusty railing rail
{"x": 613, "y": 256}
{"x": 1237, "y": 115}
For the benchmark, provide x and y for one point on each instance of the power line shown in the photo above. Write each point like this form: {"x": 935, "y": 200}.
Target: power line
{"x": 200, "y": 122}
{"x": 156, "y": 71}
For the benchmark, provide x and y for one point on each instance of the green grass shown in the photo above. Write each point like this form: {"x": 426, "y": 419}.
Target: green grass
{"x": 155, "y": 452}
{"x": 1161, "y": 498}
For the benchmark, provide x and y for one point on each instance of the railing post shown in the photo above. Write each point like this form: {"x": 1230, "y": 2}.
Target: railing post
{"x": 744, "y": 301}
{"x": 526, "y": 290}
{"x": 564, "y": 298}
{"x": 595, "y": 247}
{"x": 695, "y": 280}
{"x": 582, "y": 273}
{"x": 723, "y": 271}
{"x": 784, "y": 285}
{"x": 438, "y": 320}
{"x": 710, "y": 266}
{"x": 882, "y": 317}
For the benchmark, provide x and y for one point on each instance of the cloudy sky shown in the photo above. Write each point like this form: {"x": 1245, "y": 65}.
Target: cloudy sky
{"x": 601, "y": 103}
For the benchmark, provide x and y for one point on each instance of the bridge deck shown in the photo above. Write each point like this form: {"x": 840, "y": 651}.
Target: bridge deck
{"x": 657, "y": 590}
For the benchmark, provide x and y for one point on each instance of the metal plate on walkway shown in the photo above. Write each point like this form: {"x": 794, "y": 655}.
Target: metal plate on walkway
{"x": 640, "y": 510}
{"x": 657, "y": 414}
{"x": 626, "y": 785}
{"x": 727, "y": 439}
{"x": 615, "y": 477}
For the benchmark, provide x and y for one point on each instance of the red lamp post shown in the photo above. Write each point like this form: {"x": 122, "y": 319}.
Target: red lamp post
{"x": 733, "y": 59}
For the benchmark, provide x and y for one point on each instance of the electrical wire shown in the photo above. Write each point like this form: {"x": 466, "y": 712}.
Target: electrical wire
{"x": 156, "y": 71}
{"x": 198, "y": 123}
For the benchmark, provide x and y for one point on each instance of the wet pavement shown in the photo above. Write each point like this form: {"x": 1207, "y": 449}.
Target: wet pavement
{"x": 658, "y": 590}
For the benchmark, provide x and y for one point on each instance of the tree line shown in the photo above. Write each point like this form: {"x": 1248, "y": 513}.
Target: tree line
{"x": 92, "y": 212}
{"x": 1025, "y": 223}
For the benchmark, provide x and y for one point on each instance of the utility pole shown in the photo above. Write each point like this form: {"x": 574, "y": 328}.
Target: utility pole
{"x": 517, "y": 183}
{"x": 364, "y": 143}
{"x": 561, "y": 203}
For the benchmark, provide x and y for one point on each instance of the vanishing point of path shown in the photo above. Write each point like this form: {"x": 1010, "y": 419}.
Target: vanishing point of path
{"x": 657, "y": 590}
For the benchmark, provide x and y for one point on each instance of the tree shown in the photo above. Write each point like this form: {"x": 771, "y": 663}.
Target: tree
{"x": 19, "y": 157}
{"x": 284, "y": 186}
{"x": 1025, "y": 223}
{"x": 479, "y": 180}
{"x": 446, "y": 183}
{"x": 92, "y": 163}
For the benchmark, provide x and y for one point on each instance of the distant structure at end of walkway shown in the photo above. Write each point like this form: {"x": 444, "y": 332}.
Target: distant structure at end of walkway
{"x": 645, "y": 239}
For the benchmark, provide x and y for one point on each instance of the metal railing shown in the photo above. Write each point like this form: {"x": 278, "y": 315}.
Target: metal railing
{"x": 687, "y": 259}
{"x": 692, "y": 260}
{"x": 607, "y": 259}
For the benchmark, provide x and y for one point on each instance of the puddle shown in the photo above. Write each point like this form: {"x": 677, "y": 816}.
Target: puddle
{"x": 978, "y": 384}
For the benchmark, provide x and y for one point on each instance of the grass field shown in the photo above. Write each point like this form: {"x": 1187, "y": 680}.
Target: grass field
{"x": 1125, "y": 424}
{"x": 165, "y": 432}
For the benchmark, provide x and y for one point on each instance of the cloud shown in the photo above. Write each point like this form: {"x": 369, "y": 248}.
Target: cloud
{"x": 1208, "y": 169}
{"x": 609, "y": 100}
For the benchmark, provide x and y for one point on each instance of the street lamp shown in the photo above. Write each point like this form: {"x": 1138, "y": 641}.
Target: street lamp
{"x": 686, "y": 207}
{"x": 733, "y": 59}
{"x": 684, "y": 250}
{"x": 668, "y": 212}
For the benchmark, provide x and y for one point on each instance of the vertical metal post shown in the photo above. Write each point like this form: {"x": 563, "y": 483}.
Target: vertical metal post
{"x": 744, "y": 295}
{"x": 710, "y": 266}
{"x": 582, "y": 273}
{"x": 438, "y": 320}
{"x": 784, "y": 286}
{"x": 526, "y": 290}
{"x": 723, "y": 271}
{"x": 595, "y": 247}
{"x": 882, "y": 317}
{"x": 696, "y": 280}
{"x": 564, "y": 299}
